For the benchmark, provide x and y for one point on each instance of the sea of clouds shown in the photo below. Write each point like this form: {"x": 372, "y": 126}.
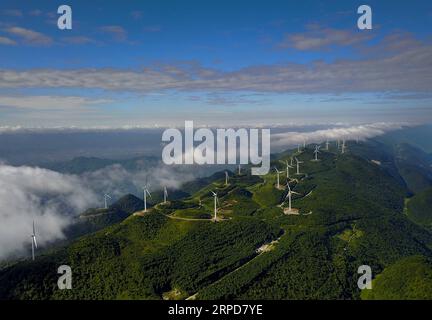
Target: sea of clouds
{"x": 53, "y": 199}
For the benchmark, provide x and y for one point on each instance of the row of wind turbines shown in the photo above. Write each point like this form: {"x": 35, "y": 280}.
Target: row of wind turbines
{"x": 146, "y": 192}
{"x": 290, "y": 165}
{"x": 107, "y": 197}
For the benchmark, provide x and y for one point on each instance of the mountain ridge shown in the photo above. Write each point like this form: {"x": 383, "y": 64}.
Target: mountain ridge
{"x": 349, "y": 213}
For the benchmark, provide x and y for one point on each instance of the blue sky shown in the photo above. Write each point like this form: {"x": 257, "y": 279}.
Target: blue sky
{"x": 215, "y": 62}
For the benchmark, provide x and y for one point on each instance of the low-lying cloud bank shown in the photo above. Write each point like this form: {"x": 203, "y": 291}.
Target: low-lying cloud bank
{"x": 395, "y": 68}
{"x": 117, "y": 181}
{"x": 28, "y": 194}
{"x": 359, "y": 132}
{"x": 52, "y": 199}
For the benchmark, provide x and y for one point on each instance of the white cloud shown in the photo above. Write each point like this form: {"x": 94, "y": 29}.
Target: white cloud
{"x": 118, "y": 181}
{"x": 52, "y": 199}
{"x": 48, "y": 197}
{"x": 29, "y": 36}
{"x": 407, "y": 71}
{"x": 79, "y": 40}
{"x": 49, "y": 102}
{"x": 6, "y": 41}
{"x": 361, "y": 132}
{"x": 318, "y": 37}
{"x": 117, "y": 32}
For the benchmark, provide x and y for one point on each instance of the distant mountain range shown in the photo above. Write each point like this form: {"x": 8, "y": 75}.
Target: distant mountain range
{"x": 369, "y": 206}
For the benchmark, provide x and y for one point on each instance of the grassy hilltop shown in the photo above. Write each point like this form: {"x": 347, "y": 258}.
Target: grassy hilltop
{"x": 349, "y": 211}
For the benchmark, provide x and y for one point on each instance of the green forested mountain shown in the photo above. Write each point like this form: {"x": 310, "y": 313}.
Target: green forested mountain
{"x": 98, "y": 218}
{"x": 347, "y": 211}
{"x": 409, "y": 278}
{"x": 81, "y": 165}
{"x": 419, "y": 208}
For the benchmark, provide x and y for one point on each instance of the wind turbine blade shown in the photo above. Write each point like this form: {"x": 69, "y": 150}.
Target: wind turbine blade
{"x": 35, "y": 242}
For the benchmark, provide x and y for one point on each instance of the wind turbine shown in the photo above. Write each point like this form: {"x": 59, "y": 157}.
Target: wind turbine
{"x": 277, "y": 172}
{"x": 343, "y": 146}
{"x": 304, "y": 143}
{"x": 298, "y": 165}
{"x": 289, "y": 195}
{"x": 34, "y": 242}
{"x": 226, "y": 178}
{"x": 106, "y": 197}
{"x": 291, "y": 161}
{"x": 288, "y": 166}
{"x": 146, "y": 192}
{"x": 317, "y": 147}
{"x": 216, "y": 201}
{"x": 327, "y": 145}
{"x": 298, "y": 148}
{"x": 239, "y": 169}
{"x": 165, "y": 194}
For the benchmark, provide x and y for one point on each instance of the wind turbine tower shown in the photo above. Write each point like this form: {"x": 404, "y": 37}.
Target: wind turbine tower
{"x": 216, "y": 201}
{"x": 226, "y": 178}
{"x": 146, "y": 192}
{"x": 289, "y": 195}
{"x": 288, "y": 166}
{"x": 327, "y": 145}
{"x": 298, "y": 165}
{"x": 343, "y": 146}
{"x": 34, "y": 242}
{"x": 316, "y": 152}
{"x": 106, "y": 197}
{"x": 277, "y": 173}
{"x": 165, "y": 194}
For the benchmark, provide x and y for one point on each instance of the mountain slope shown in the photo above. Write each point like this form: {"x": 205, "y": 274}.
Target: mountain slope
{"x": 93, "y": 220}
{"x": 414, "y": 166}
{"x": 419, "y": 208}
{"x": 409, "y": 278}
{"x": 348, "y": 212}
